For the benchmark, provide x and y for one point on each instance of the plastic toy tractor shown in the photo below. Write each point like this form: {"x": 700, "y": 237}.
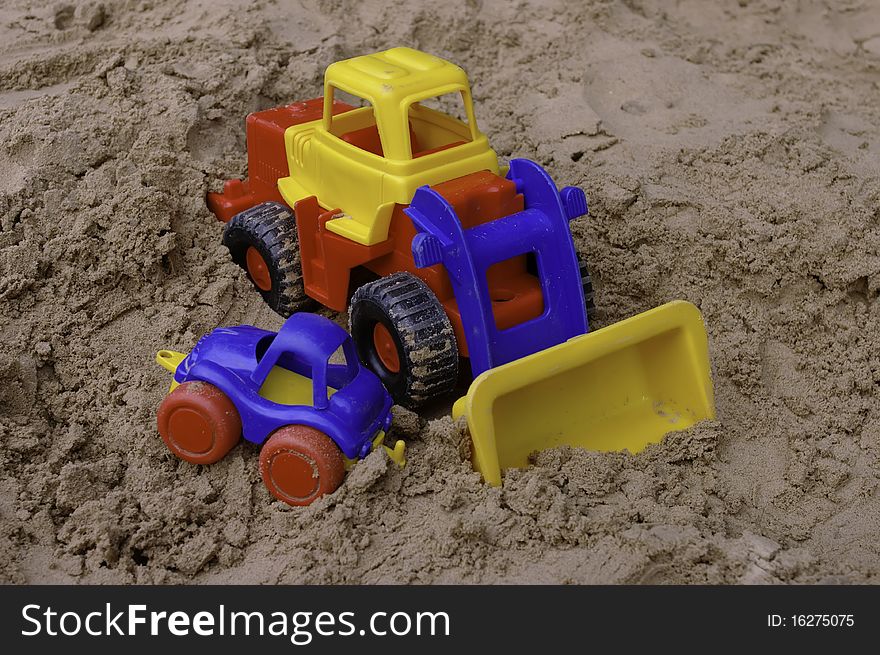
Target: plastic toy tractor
{"x": 395, "y": 201}
{"x": 384, "y": 197}
{"x": 313, "y": 418}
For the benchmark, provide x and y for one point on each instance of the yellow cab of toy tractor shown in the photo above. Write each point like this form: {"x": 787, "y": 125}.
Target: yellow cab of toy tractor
{"x": 383, "y": 197}
{"x": 374, "y": 157}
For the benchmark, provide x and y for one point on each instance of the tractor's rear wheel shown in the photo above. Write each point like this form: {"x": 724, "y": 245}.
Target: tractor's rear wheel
{"x": 263, "y": 241}
{"x": 198, "y": 423}
{"x": 300, "y": 464}
{"x": 403, "y": 335}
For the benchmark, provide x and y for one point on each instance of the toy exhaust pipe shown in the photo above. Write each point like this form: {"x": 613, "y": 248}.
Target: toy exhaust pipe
{"x": 619, "y": 388}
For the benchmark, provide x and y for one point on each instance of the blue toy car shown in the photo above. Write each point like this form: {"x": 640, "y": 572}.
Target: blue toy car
{"x": 313, "y": 417}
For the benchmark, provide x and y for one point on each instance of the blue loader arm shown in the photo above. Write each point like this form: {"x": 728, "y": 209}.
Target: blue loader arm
{"x": 541, "y": 228}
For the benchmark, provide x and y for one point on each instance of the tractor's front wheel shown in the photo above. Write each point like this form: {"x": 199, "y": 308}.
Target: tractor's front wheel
{"x": 587, "y": 284}
{"x": 263, "y": 241}
{"x": 586, "y": 281}
{"x": 403, "y": 335}
{"x": 300, "y": 464}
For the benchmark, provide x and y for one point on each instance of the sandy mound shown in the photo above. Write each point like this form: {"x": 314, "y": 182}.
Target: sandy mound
{"x": 730, "y": 155}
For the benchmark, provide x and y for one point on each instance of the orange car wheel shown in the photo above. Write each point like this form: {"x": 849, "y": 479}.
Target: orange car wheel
{"x": 198, "y": 423}
{"x": 300, "y": 464}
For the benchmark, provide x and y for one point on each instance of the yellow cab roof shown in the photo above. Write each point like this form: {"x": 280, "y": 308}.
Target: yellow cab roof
{"x": 395, "y": 74}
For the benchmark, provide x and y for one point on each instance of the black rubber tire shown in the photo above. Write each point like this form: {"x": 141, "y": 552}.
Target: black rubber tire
{"x": 587, "y": 283}
{"x": 426, "y": 345}
{"x": 270, "y": 228}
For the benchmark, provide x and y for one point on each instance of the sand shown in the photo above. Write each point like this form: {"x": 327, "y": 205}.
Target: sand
{"x": 729, "y": 152}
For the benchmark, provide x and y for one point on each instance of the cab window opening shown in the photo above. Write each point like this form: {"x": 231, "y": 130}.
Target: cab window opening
{"x": 356, "y": 126}
{"x": 438, "y": 123}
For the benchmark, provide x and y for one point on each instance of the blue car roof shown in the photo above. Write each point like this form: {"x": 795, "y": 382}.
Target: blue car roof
{"x": 312, "y": 338}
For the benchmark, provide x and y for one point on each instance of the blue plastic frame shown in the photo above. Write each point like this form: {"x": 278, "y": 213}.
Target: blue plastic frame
{"x": 541, "y": 228}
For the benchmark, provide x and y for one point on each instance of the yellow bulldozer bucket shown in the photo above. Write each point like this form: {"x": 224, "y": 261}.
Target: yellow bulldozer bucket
{"x": 620, "y": 387}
